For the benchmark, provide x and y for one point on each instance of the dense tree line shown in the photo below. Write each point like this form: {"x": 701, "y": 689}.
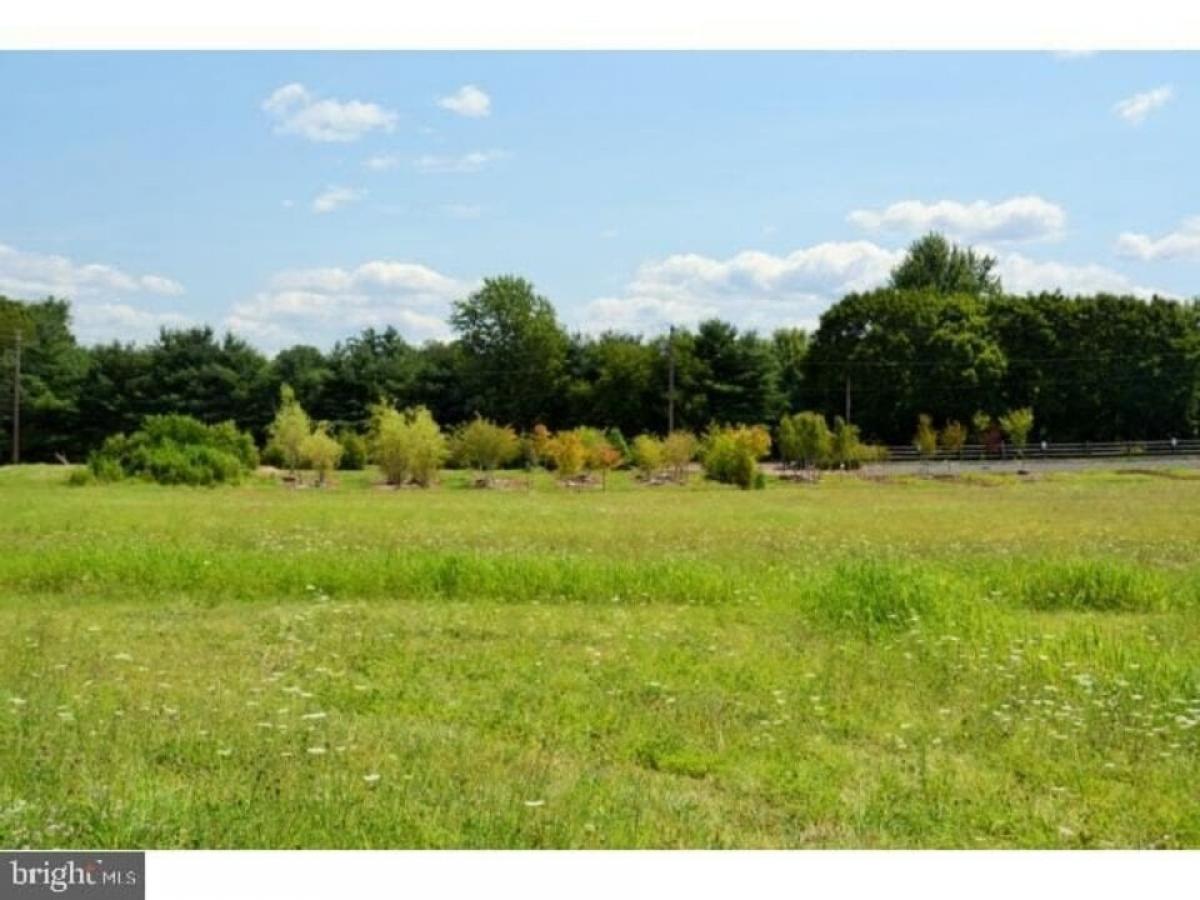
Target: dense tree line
{"x": 942, "y": 339}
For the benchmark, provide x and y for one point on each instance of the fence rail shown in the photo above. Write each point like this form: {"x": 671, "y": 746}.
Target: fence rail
{"x": 1051, "y": 450}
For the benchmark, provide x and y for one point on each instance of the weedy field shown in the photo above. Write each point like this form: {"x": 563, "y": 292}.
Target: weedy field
{"x": 987, "y": 662}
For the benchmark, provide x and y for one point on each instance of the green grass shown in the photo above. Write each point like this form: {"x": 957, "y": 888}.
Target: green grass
{"x": 916, "y": 663}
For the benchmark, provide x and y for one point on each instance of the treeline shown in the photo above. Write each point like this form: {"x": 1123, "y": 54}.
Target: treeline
{"x": 942, "y": 340}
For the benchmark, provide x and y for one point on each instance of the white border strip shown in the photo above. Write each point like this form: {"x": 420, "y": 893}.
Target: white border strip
{"x": 614, "y": 24}
{"x": 617, "y": 875}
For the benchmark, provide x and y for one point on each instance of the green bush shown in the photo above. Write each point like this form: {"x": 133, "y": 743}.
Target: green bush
{"x": 731, "y": 455}
{"x": 482, "y": 444}
{"x": 805, "y": 439}
{"x": 81, "y": 477}
{"x": 289, "y": 429}
{"x": 647, "y": 454}
{"x": 407, "y": 446}
{"x": 354, "y": 450}
{"x": 321, "y": 451}
{"x": 617, "y": 441}
{"x": 175, "y": 449}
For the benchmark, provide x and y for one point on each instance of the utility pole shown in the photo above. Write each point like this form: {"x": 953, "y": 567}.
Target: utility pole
{"x": 847, "y": 398}
{"x": 16, "y": 426}
{"x": 671, "y": 381}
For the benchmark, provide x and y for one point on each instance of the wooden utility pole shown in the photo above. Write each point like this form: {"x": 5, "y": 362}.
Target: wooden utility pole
{"x": 16, "y": 399}
{"x": 671, "y": 381}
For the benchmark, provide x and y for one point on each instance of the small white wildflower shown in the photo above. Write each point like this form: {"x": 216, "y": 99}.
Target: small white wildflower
{"x": 316, "y": 751}
{"x": 372, "y": 778}
{"x": 535, "y": 803}
{"x": 313, "y": 716}
{"x": 123, "y": 657}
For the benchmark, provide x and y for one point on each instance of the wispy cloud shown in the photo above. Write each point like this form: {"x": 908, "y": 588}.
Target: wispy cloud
{"x": 1135, "y": 109}
{"x": 469, "y": 101}
{"x": 297, "y": 111}
{"x": 335, "y": 198}
{"x": 464, "y": 163}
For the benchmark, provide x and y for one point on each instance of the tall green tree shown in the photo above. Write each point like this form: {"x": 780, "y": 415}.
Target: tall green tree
{"x": 738, "y": 375}
{"x": 53, "y": 367}
{"x": 614, "y": 383}
{"x": 934, "y": 264}
{"x": 514, "y": 352}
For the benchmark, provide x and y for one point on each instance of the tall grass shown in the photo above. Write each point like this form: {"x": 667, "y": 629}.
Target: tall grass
{"x": 916, "y": 664}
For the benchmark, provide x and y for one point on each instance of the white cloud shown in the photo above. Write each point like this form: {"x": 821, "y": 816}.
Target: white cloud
{"x": 1074, "y": 54}
{"x": 1183, "y": 243}
{"x": 98, "y": 293}
{"x": 32, "y": 276}
{"x": 753, "y": 289}
{"x": 1022, "y": 275}
{"x": 296, "y": 111}
{"x": 334, "y": 198}
{"x": 100, "y": 322}
{"x": 467, "y": 162}
{"x": 1024, "y": 218}
{"x": 1135, "y": 109}
{"x": 323, "y": 305}
{"x": 156, "y": 284}
{"x": 468, "y": 101}
{"x": 759, "y": 290}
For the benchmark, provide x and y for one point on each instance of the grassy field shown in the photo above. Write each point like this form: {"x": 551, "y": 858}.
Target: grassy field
{"x": 990, "y": 662}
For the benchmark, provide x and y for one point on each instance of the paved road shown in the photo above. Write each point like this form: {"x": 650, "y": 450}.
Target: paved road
{"x": 1038, "y": 465}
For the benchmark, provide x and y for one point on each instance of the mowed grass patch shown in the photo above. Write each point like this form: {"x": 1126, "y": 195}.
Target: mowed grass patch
{"x": 836, "y": 665}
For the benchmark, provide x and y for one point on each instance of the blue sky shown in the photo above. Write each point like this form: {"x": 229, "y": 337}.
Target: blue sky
{"x": 298, "y": 197}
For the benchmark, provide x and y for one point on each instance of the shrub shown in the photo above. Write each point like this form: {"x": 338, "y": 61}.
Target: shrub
{"x": 731, "y": 455}
{"x": 872, "y": 453}
{"x": 804, "y": 438}
{"x": 406, "y": 446}
{"x": 602, "y": 456}
{"x": 485, "y": 445}
{"x": 567, "y": 452}
{"x": 321, "y": 451}
{"x": 679, "y": 449}
{"x": 953, "y": 437}
{"x": 646, "y": 454}
{"x": 846, "y": 450}
{"x": 537, "y": 445}
{"x": 81, "y": 477}
{"x": 354, "y": 450}
{"x": 1016, "y": 425}
{"x": 175, "y": 449}
{"x": 289, "y": 429}
{"x": 926, "y": 438}
{"x": 617, "y": 441}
